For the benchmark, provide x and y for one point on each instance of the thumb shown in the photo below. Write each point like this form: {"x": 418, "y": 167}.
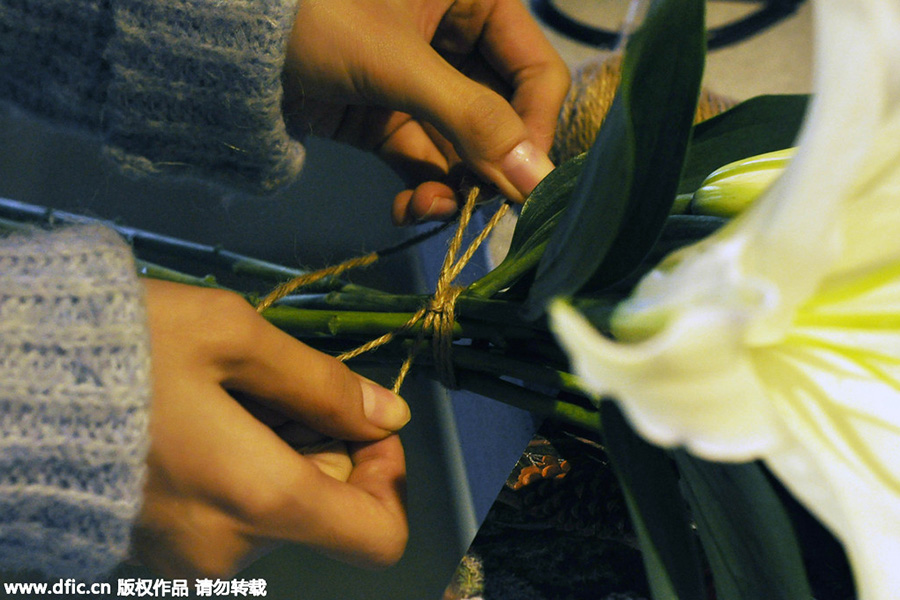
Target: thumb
{"x": 327, "y": 397}
{"x": 483, "y": 127}
{"x": 489, "y": 135}
{"x": 493, "y": 139}
{"x": 299, "y": 382}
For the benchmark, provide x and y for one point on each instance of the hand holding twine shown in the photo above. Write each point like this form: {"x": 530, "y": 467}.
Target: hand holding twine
{"x": 593, "y": 90}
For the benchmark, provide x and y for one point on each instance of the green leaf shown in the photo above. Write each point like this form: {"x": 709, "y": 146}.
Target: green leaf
{"x": 678, "y": 232}
{"x": 537, "y": 220}
{"x": 745, "y": 531}
{"x": 759, "y": 125}
{"x": 632, "y": 171}
{"x": 657, "y": 508}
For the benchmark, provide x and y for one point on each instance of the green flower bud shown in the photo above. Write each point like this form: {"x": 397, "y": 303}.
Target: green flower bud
{"x": 732, "y": 188}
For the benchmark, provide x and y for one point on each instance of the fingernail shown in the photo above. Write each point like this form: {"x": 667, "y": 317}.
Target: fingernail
{"x": 525, "y": 166}
{"x": 441, "y": 208}
{"x": 383, "y": 408}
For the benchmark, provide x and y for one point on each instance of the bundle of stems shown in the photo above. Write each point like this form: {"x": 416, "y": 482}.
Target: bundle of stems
{"x": 497, "y": 353}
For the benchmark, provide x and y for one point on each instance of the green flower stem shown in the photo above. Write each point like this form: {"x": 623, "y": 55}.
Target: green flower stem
{"x": 540, "y": 352}
{"x": 506, "y": 392}
{"x": 502, "y": 365}
{"x": 529, "y": 400}
{"x": 338, "y": 322}
{"x": 304, "y": 322}
{"x": 357, "y": 300}
{"x": 489, "y": 363}
{"x": 679, "y": 230}
{"x": 467, "y": 307}
{"x": 477, "y": 369}
{"x": 154, "y": 271}
{"x": 506, "y": 273}
{"x": 368, "y": 324}
{"x": 313, "y": 323}
{"x": 355, "y": 288}
{"x": 22, "y": 212}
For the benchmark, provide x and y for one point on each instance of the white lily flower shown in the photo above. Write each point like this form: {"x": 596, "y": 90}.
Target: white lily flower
{"x": 778, "y": 338}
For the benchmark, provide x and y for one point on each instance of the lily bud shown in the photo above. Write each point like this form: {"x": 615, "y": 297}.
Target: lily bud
{"x": 732, "y": 188}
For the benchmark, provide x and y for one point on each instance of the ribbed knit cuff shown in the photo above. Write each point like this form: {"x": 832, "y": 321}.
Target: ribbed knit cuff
{"x": 196, "y": 90}
{"x": 74, "y": 401}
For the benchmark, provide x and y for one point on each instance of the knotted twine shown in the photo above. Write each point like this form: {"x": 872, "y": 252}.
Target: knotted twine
{"x": 438, "y": 315}
{"x": 589, "y": 99}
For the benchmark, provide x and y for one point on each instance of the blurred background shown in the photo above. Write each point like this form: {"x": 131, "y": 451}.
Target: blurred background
{"x": 460, "y": 447}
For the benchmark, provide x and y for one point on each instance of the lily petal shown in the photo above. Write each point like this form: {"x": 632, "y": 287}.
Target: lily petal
{"x": 820, "y": 212}
{"x": 871, "y": 216}
{"x": 857, "y": 509}
{"x": 692, "y": 384}
{"x": 835, "y": 396}
{"x": 856, "y": 90}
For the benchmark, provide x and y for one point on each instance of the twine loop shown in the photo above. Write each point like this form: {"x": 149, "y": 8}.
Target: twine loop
{"x": 439, "y": 320}
{"x": 437, "y": 316}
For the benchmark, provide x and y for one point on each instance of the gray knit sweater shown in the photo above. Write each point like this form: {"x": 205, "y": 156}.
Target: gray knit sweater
{"x": 185, "y": 87}
{"x": 74, "y": 397}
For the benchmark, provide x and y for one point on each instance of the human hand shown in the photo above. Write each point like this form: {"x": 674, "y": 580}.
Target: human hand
{"x": 425, "y": 83}
{"x": 224, "y": 482}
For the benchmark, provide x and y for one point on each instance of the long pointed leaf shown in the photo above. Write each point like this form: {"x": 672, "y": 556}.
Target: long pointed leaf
{"x": 745, "y": 531}
{"x": 657, "y": 508}
{"x": 632, "y": 171}
{"x": 753, "y": 127}
{"x": 540, "y": 214}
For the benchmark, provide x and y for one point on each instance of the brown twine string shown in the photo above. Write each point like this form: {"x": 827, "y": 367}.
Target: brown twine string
{"x": 594, "y": 86}
{"x": 437, "y": 316}
{"x": 296, "y": 283}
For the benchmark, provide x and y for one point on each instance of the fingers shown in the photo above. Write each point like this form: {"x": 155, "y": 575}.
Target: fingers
{"x": 486, "y": 131}
{"x": 240, "y": 487}
{"x": 346, "y": 500}
{"x": 225, "y": 477}
{"x": 425, "y": 158}
{"x": 219, "y": 331}
{"x": 332, "y": 459}
{"x": 491, "y": 45}
{"x": 430, "y": 201}
{"x": 312, "y": 387}
{"x": 362, "y": 521}
{"x": 515, "y": 46}
{"x": 483, "y": 127}
{"x": 504, "y": 141}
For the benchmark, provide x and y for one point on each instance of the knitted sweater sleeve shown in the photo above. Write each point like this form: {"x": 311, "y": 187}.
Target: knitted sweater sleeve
{"x": 182, "y": 87}
{"x": 74, "y": 401}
